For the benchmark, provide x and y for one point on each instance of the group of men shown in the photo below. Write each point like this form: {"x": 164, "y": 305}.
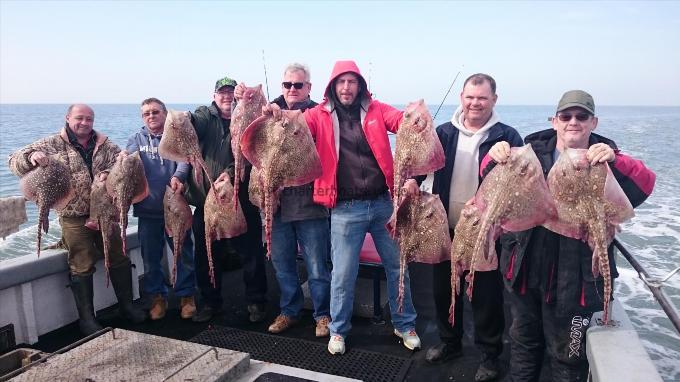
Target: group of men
{"x": 543, "y": 271}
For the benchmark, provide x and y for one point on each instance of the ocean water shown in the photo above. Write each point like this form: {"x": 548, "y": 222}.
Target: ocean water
{"x": 646, "y": 133}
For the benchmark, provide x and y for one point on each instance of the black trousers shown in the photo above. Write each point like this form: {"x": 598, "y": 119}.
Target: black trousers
{"x": 536, "y": 329}
{"x": 487, "y": 309}
{"x": 249, "y": 247}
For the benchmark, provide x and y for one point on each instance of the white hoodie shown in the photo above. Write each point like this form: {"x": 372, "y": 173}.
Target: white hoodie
{"x": 465, "y": 177}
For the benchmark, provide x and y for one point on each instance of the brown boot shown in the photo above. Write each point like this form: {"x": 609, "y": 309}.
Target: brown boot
{"x": 281, "y": 323}
{"x": 158, "y": 307}
{"x": 187, "y": 307}
{"x": 322, "y": 327}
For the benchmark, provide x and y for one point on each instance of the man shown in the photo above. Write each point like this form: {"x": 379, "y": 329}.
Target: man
{"x": 350, "y": 130}
{"x": 89, "y": 156}
{"x": 299, "y": 221}
{"x": 474, "y": 128}
{"x": 214, "y": 138}
{"x": 151, "y": 225}
{"x": 553, "y": 293}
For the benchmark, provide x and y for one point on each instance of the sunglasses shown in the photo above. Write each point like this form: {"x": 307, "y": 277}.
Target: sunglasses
{"x": 296, "y": 85}
{"x": 581, "y": 117}
{"x": 150, "y": 113}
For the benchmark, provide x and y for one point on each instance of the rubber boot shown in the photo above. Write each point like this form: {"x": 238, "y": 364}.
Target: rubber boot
{"x": 121, "y": 278}
{"x": 81, "y": 286}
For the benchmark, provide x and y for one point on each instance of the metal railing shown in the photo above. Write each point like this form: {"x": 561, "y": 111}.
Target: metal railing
{"x": 654, "y": 285}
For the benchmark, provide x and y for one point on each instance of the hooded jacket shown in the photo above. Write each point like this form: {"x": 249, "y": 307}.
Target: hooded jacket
{"x": 59, "y": 148}
{"x": 566, "y": 277}
{"x": 376, "y": 119}
{"x": 158, "y": 172}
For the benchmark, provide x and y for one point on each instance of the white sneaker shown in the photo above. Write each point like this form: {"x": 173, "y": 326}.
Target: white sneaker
{"x": 336, "y": 345}
{"x": 409, "y": 338}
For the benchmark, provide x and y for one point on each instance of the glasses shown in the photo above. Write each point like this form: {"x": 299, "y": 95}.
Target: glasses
{"x": 225, "y": 93}
{"x": 581, "y": 117}
{"x": 147, "y": 114}
{"x": 296, "y": 85}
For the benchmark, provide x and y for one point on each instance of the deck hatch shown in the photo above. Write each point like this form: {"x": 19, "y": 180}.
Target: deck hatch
{"x": 309, "y": 355}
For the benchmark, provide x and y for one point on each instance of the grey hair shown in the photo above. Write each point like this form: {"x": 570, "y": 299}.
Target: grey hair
{"x": 295, "y": 66}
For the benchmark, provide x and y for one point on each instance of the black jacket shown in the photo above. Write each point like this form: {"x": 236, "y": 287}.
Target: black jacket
{"x": 565, "y": 273}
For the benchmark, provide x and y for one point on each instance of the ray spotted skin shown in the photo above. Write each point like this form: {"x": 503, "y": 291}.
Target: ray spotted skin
{"x": 283, "y": 152}
{"x": 177, "y": 217}
{"x": 180, "y": 144}
{"x": 463, "y": 245}
{"x": 50, "y": 187}
{"x": 126, "y": 184}
{"x": 245, "y": 112}
{"x": 104, "y": 214}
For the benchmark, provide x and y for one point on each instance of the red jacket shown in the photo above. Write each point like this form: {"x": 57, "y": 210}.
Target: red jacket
{"x": 376, "y": 119}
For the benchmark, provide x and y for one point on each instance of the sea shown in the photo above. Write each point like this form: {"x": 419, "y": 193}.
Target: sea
{"x": 646, "y": 133}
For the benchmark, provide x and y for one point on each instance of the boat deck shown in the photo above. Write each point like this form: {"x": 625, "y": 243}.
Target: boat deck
{"x": 365, "y": 335}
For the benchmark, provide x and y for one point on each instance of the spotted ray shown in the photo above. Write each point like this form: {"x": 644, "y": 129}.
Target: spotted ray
{"x": 513, "y": 197}
{"x": 284, "y": 153}
{"x": 104, "y": 214}
{"x": 418, "y": 150}
{"x": 221, "y": 220}
{"x": 180, "y": 144}
{"x": 462, "y": 247}
{"x": 245, "y": 112}
{"x": 49, "y": 187}
{"x": 177, "y": 216}
{"x": 421, "y": 233}
{"x": 126, "y": 184}
{"x": 590, "y": 206}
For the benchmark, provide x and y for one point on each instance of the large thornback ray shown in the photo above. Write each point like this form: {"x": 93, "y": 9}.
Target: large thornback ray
{"x": 462, "y": 248}
{"x": 513, "y": 197}
{"x": 177, "y": 216}
{"x": 180, "y": 144}
{"x": 104, "y": 214}
{"x": 221, "y": 220}
{"x": 590, "y": 206}
{"x": 245, "y": 112}
{"x": 418, "y": 150}
{"x": 49, "y": 187}
{"x": 284, "y": 153}
{"x": 422, "y": 233}
{"x": 126, "y": 184}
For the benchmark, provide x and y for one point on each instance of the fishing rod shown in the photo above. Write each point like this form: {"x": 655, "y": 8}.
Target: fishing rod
{"x": 446, "y": 95}
{"x": 266, "y": 81}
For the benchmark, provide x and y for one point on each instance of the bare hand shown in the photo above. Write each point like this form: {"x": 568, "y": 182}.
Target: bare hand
{"x": 600, "y": 153}
{"x": 39, "y": 158}
{"x": 176, "y": 184}
{"x": 410, "y": 188}
{"x": 239, "y": 90}
{"x": 500, "y": 152}
{"x": 272, "y": 109}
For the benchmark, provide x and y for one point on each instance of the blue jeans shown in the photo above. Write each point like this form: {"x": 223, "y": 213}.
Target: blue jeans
{"x": 313, "y": 236}
{"x": 152, "y": 238}
{"x": 350, "y": 221}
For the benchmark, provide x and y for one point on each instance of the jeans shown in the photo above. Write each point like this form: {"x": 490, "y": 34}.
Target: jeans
{"x": 152, "y": 239}
{"x": 313, "y": 236}
{"x": 350, "y": 221}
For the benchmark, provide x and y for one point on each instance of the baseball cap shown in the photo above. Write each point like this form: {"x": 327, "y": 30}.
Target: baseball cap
{"x": 226, "y": 81}
{"x": 577, "y": 98}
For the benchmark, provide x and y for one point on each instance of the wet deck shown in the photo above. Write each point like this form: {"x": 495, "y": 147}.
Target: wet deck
{"x": 365, "y": 335}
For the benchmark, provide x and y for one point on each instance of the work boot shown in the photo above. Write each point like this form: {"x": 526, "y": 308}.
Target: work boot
{"x": 121, "y": 278}
{"x": 206, "y": 314}
{"x": 489, "y": 369}
{"x": 187, "y": 307}
{"x": 257, "y": 313}
{"x": 81, "y": 286}
{"x": 443, "y": 352}
{"x": 158, "y": 307}
{"x": 281, "y": 323}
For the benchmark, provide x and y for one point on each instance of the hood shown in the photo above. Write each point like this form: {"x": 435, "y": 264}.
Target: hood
{"x": 457, "y": 121}
{"x": 342, "y": 67}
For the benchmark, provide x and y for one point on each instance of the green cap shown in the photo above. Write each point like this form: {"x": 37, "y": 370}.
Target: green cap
{"x": 577, "y": 98}
{"x": 226, "y": 81}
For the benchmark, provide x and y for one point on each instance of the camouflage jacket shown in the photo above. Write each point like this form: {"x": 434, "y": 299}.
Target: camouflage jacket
{"x": 57, "y": 147}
